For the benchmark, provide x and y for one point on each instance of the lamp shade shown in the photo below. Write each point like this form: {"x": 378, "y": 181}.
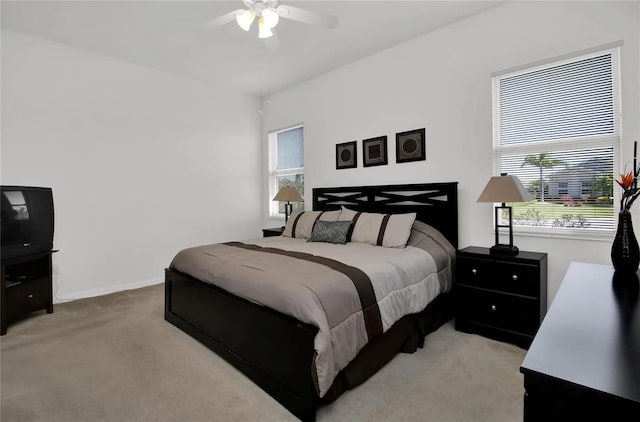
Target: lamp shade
{"x": 270, "y": 18}
{"x": 263, "y": 30}
{"x": 245, "y": 19}
{"x": 288, "y": 194}
{"x": 504, "y": 188}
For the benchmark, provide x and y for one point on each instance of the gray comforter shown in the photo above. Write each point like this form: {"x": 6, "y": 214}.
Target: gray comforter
{"x": 351, "y": 292}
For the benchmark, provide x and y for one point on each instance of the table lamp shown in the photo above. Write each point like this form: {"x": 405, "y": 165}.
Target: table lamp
{"x": 289, "y": 195}
{"x": 504, "y": 188}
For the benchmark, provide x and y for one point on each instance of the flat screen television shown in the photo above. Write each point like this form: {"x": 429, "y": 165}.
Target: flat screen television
{"x": 27, "y": 221}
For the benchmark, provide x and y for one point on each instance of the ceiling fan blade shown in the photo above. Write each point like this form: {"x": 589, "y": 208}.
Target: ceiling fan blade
{"x": 307, "y": 16}
{"x": 223, "y": 20}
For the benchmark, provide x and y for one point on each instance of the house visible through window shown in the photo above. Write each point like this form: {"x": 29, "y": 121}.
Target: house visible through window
{"x": 557, "y": 128}
{"x": 286, "y": 166}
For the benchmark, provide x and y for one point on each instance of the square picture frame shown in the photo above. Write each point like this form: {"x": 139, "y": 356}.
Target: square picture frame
{"x": 410, "y": 146}
{"x": 346, "y": 155}
{"x": 374, "y": 151}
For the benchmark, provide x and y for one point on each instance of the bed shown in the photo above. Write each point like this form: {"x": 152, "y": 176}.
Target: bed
{"x": 285, "y": 351}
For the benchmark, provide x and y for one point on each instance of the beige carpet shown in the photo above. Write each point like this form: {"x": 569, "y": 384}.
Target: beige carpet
{"x": 115, "y": 358}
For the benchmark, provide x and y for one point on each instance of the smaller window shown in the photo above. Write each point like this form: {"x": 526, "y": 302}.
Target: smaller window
{"x": 286, "y": 166}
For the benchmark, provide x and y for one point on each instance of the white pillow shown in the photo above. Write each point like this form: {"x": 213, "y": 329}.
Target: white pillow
{"x": 389, "y": 230}
{"x": 300, "y": 223}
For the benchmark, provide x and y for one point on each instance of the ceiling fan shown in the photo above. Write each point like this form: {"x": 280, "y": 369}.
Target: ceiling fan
{"x": 268, "y": 14}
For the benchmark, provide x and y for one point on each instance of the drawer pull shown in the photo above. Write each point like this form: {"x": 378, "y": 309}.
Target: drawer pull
{"x": 493, "y": 308}
{"x": 30, "y": 296}
{"x": 514, "y": 277}
{"x": 474, "y": 271}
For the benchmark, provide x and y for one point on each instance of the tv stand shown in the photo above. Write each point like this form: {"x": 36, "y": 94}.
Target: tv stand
{"x": 25, "y": 287}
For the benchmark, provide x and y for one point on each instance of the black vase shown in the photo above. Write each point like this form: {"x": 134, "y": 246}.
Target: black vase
{"x": 625, "y": 253}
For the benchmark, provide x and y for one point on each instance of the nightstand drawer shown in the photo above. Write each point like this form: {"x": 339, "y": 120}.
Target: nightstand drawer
{"x": 508, "y": 277}
{"x": 498, "y": 310}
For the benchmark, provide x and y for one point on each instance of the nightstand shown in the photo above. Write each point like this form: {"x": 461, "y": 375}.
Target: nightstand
{"x": 274, "y": 231}
{"x": 502, "y": 297}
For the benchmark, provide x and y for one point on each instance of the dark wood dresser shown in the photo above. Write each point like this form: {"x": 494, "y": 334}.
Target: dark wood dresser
{"x": 502, "y": 297}
{"x": 584, "y": 363}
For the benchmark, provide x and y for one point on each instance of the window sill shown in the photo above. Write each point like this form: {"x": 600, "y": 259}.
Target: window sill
{"x": 559, "y": 233}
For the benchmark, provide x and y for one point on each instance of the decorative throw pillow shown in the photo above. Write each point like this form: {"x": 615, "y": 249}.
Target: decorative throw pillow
{"x": 330, "y": 232}
{"x": 300, "y": 223}
{"x": 389, "y": 230}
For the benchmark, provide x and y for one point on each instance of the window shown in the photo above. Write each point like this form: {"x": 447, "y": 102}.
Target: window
{"x": 557, "y": 128}
{"x": 563, "y": 188}
{"x": 286, "y": 166}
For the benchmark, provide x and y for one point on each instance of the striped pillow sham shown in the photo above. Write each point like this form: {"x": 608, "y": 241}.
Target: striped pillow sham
{"x": 300, "y": 223}
{"x": 388, "y": 230}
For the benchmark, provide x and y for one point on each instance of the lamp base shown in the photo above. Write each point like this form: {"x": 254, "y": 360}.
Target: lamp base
{"x": 504, "y": 250}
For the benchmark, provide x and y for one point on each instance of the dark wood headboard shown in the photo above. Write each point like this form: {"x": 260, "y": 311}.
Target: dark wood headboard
{"x": 435, "y": 203}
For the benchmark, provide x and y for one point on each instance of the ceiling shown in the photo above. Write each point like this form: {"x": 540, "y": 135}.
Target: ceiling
{"x": 170, "y": 36}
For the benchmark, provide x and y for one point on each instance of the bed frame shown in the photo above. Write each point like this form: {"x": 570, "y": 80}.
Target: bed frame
{"x": 276, "y": 351}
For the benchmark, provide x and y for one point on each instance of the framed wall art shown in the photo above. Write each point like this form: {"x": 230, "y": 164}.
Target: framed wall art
{"x": 346, "y": 155}
{"x": 374, "y": 151}
{"x": 410, "y": 146}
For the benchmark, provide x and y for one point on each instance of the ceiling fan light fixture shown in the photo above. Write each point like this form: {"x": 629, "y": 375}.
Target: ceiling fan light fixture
{"x": 245, "y": 19}
{"x": 263, "y": 30}
{"x": 271, "y": 18}
{"x": 268, "y": 14}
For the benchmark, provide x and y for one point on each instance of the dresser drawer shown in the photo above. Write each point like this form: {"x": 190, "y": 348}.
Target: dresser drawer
{"x": 28, "y": 296}
{"x": 518, "y": 278}
{"x": 498, "y": 310}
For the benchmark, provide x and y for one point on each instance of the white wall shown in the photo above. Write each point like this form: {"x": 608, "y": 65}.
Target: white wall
{"x": 442, "y": 81}
{"x": 141, "y": 163}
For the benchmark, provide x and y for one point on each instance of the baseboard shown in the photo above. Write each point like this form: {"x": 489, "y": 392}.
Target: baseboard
{"x": 107, "y": 290}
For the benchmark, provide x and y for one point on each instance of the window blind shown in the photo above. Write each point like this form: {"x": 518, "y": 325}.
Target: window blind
{"x": 290, "y": 149}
